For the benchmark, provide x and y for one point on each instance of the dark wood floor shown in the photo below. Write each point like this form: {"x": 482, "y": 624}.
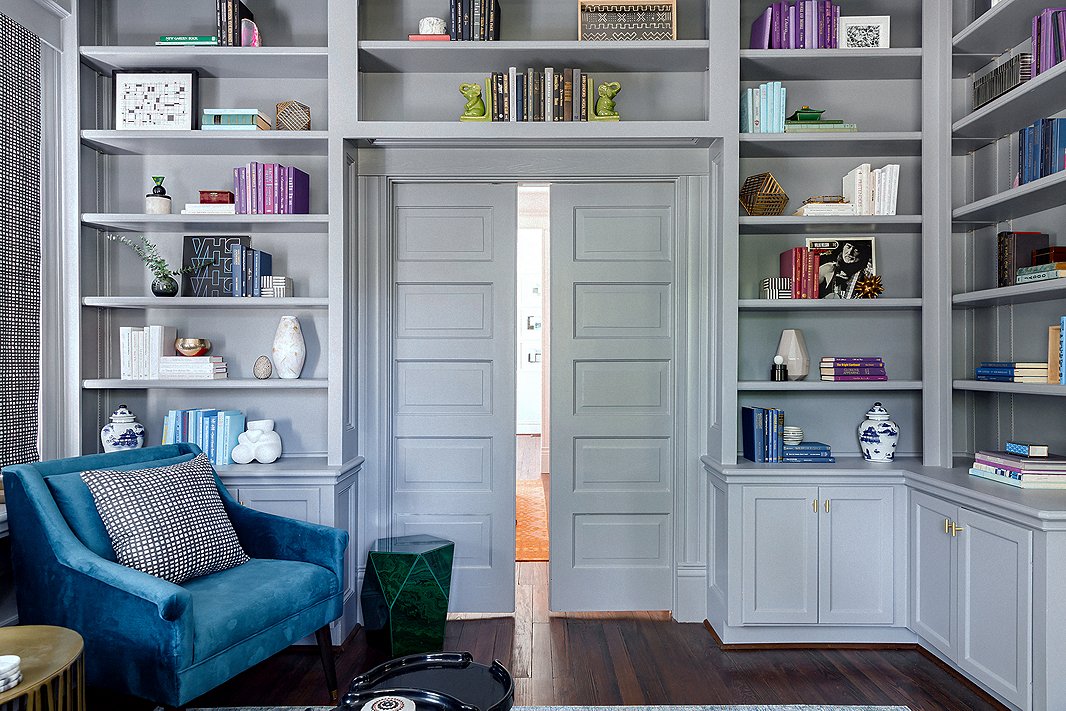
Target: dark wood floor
{"x": 642, "y": 658}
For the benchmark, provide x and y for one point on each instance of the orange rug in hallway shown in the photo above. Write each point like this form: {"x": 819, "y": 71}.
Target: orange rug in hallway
{"x": 531, "y": 535}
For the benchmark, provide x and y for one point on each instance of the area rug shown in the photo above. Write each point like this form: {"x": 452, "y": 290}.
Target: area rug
{"x": 607, "y": 708}
{"x": 531, "y": 516}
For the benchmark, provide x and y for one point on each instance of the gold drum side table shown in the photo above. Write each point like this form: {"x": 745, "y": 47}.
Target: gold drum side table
{"x": 53, "y": 669}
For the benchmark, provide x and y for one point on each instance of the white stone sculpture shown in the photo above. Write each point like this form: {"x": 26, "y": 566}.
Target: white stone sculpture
{"x": 260, "y": 442}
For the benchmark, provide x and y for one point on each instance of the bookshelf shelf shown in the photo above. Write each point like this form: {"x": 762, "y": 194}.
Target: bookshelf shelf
{"x": 463, "y": 57}
{"x": 844, "y": 465}
{"x": 213, "y": 62}
{"x": 228, "y": 384}
{"x": 817, "y": 145}
{"x": 830, "y": 64}
{"x": 194, "y": 302}
{"x": 133, "y": 222}
{"x": 286, "y": 465}
{"x": 825, "y": 386}
{"x": 830, "y": 304}
{"x": 1020, "y": 294}
{"x": 830, "y": 224}
{"x": 999, "y": 29}
{"x": 564, "y": 134}
{"x": 204, "y": 143}
{"x": 1038, "y": 98}
{"x": 1010, "y": 388}
{"x": 1042, "y": 194}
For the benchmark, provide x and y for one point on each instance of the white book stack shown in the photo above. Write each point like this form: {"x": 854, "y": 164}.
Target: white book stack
{"x": 196, "y": 208}
{"x": 141, "y": 349}
{"x": 193, "y": 368}
{"x": 873, "y": 191}
{"x": 821, "y": 209}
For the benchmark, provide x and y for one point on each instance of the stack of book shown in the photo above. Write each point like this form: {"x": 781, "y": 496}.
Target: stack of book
{"x": 1056, "y": 352}
{"x": 271, "y": 189}
{"x": 1041, "y": 149}
{"x": 234, "y": 120}
{"x": 1049, "y": 38}
{"x": 808, "y": 452}
{"x": 251, "y": 269}
{"x": 275, "y": 287}
{"x": 1041, "y": 272}
{"x": 474, "y": 20}
{"x": 141, "y": 349}
{"x": 193, "y": 368}
{"x": 872, "y": 191}
{"x": 820, "y": 126}
{"x": 852, "y": 369}
{"x": 229, "y": 15}
{"x": 762, "y": 109}
{"x": 776, "y": 288}
{"x": 187, "y": 41}
{"x": 213, "y": 431}
{"x": 1012, "y": 372}
{"x": 815, "y": 207}
{"x": 1018, "y": 250}
{"x": 763, "y": 433}
{"x": 537, "y": 95}
{"x": 800, "y": 265}
{"x": 801, "y": 24}
{"x": 212, "y": 202}
{"x": 1025, "y": 471}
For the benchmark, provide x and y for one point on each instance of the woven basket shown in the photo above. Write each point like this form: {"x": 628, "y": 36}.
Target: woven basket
{"x": 293, "y": 116}
{"x": 762, "y": 195}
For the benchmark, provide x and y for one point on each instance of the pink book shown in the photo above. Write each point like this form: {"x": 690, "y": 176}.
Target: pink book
{"x": 268, "y": 188}
{"x": 791, "y": 265}
{"x": 283, "y": 190}
{"x": 260, "y": 200}
{"x": 253, "y": 188}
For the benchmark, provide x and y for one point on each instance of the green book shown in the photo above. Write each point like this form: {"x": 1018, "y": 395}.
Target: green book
{"x": 205, "y": 40}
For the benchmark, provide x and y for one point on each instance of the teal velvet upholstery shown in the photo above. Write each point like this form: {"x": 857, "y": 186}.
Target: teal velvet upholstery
{"x": 143, "y": 635}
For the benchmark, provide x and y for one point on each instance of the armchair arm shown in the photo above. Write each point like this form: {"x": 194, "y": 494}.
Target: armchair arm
{"x": 170, "y": 600}
{"x": 265, "y": 535}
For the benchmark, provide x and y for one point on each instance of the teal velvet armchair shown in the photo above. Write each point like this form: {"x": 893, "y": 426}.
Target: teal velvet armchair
{"x": 148, "y": 637}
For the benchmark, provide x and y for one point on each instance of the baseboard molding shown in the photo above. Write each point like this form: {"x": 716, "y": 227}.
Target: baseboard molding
{"x": 690, "y": 604}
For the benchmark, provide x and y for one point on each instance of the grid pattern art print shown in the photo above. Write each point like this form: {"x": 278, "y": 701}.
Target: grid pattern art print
{"x": 20, "y": 241}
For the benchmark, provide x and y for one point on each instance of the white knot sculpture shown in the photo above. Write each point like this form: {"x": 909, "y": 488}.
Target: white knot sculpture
{"x": 260, "y": 442}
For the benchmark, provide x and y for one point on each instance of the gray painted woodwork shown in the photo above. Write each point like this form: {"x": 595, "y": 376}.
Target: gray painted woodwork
{"x": 453, "y": 340}
{"x": 934, "y": 571}
{"x": 614, "y": 313}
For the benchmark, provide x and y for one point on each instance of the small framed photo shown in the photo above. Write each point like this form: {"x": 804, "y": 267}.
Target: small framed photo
{"x": 842, "y": 263}
{"x": 166, "y": 100}
{"x": 866, "y": 32}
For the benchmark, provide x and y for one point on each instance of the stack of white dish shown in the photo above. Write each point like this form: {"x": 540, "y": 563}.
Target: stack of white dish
{"x": 792, "y": 435}
{"x": 10, "y": 671}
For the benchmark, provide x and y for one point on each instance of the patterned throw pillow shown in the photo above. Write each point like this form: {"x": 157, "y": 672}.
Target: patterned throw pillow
{"x": 169, "y": 521}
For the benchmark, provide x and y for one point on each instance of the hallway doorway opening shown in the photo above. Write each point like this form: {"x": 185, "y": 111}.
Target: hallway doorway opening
{"x": 531, "y": 375}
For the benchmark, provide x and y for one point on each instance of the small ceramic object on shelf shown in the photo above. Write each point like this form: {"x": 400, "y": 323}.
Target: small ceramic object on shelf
{"x": 475, "y": 108}
{"x": 259, "y": 443}
{"x": 157, "y": 202}
{"x": 289, "y": 350}
{"x": 793, "y": 349}
{"x": 165, "y": 286}
{"x": 878, "y": 435}
{"x": 262, "y": 369}
{"x": 192, "y": 347}
{"x": 123, "y": 432}
{"x": 603, "y": 109}
{"x": 432, "y": 26}
{"x": 778, "y": 371}
{"x": 792, "y": 435}
{"x": 806, "y": 113}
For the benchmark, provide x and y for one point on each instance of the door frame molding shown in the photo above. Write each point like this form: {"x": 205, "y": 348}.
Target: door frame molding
{"x": 694, "y": 172}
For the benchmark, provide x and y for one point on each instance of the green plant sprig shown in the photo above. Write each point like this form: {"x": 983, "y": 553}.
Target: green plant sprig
{"x": 153, "y": 261}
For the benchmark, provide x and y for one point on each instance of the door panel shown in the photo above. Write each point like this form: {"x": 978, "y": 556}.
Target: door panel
{"x": 856, "y": 555}
{"x": 453, "y": 446}
{"x": 300, "y": 503}
{"x": 995, "y": 604}
{"x": 779, "y": 544}
{"x": 933, "y": 569}
{"x": 612, "y": 393}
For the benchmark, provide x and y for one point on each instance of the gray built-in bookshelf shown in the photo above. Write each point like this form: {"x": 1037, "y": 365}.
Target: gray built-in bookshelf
{"x": 385, "y": 109}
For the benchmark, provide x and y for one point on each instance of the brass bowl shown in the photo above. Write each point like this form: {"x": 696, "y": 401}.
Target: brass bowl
{"x": 192, "y": 346}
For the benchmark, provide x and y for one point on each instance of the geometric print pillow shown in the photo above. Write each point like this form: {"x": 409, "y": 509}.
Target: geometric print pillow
{"x": 169, "y": 521}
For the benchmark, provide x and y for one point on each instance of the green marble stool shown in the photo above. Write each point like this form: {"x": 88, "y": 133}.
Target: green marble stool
{"x": 405, "y": 593}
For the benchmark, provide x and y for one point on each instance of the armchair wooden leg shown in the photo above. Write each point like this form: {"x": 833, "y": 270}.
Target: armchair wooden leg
{"x": 329, "y": 665}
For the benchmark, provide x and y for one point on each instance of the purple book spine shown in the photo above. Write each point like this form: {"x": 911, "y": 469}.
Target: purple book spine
{"x": 812, "y": 24}
{"x": 301, "y": 192}
{"x": 801, "y": 24}
{"x": 253, "y": 188}
{"x": 858, "y": 378}
{"x": 260, "y": 185}
{"x": 237, "y": 190}
{"x": 283, "y": 190}
{"x": 760, "y": 30}
{"x": 792, "y": 27}
{"x": 1062, "y": 35}
{"x": 268, "y": 188}
{"x": 785, "y": 43}
{"x": 835, "y": 36}
{"x": 1036, "y": 46}
{"x": 775, "y": 26}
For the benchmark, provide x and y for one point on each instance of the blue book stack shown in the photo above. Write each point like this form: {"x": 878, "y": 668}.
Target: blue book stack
{"x": 213, "y": 431}
{"x": 762, "y": 434}
{"x": 808, "y": 452}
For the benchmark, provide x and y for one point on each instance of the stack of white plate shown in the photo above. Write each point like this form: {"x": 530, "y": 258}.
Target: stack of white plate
{"x": 792, "y": 435}
{"x": 10, "y": 671}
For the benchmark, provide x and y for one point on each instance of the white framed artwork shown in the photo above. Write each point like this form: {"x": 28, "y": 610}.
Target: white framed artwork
{"x": 156, "y": 100}
{"x": 864, "y": 32}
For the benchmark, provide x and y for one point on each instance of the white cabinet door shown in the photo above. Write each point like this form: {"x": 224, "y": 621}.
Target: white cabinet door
{"x": 855, "y": 558}
{"x": 995, "y": 604}
{"x": 933, "y": 572}
{"x": 300, "y": 503}
{"x": 780, "y": 554}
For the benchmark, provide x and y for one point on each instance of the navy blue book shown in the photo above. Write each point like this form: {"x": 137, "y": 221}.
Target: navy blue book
{"x": 753, "y": 433}
{"x": 262, "y": 265}
{"x": 815, "y": 447}
{"x": 798, "y": 459}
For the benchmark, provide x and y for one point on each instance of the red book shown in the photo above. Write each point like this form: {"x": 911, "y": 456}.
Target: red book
{"x": 814, "y": 259}
{"x": 791, "y": 264}
{"x": 216, "y": 197}
{"x": 429, "y": 38}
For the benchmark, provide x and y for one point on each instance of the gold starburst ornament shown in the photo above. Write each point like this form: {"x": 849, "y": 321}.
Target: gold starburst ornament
{"x": 869, "y": 287}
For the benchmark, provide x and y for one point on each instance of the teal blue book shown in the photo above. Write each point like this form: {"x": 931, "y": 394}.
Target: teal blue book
{"x": 232, "y": 428}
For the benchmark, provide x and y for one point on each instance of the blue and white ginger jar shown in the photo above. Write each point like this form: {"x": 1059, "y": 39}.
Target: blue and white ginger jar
{"x": 124, "y": 432}
{"x": 878, "y": 435}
